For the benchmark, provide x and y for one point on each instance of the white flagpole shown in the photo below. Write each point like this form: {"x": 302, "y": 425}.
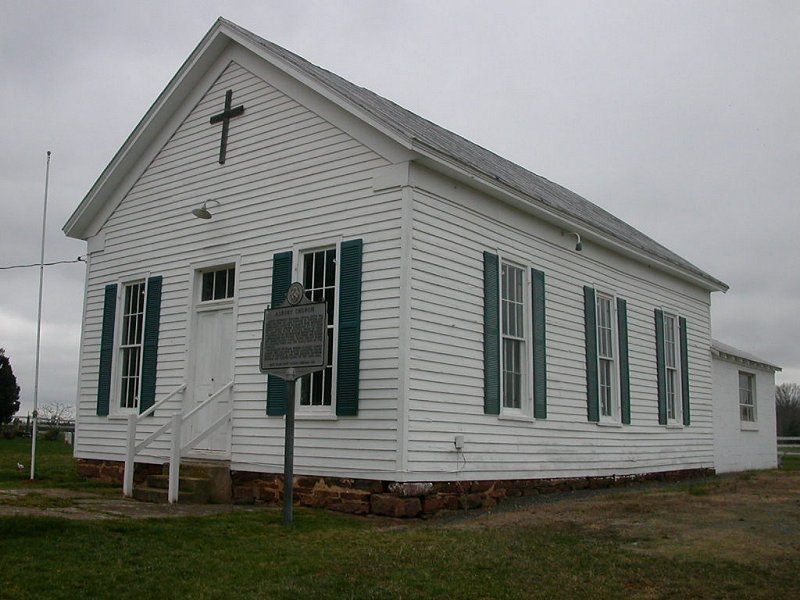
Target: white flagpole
{"x": 39, "y": 327}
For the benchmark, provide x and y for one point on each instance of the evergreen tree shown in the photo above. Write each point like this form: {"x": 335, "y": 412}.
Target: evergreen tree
{"x": 9, "y": 390}
{"x": 787, "y": 409}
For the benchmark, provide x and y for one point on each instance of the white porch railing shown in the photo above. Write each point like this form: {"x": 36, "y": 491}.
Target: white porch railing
{"x": 132, "y": 448}
{"x": 175, "y": 426}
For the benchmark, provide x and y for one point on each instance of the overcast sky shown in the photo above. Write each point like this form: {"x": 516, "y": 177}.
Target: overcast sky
{"x": 679, "y": 117}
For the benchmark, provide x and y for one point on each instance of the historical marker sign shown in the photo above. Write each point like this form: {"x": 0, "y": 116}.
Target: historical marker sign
{"x": 293, "y": 339}
{"x": 294, "y": 342}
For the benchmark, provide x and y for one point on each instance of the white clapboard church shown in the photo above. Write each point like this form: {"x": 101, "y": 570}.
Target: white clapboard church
{"x": 491, "y": 332}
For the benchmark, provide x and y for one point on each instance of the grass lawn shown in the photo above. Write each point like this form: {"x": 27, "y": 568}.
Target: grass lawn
{"x": 55, "y": 466}
{"x": 727, "y": 537}
{"x": 791, "y": 463}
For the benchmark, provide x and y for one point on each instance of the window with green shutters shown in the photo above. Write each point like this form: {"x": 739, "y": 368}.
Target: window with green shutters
{"x": 515, "y": 380}
{"x": 672, "y": 368}
{"x": 607, "y": 375}
{"x": 331, "y": 274}
{"x": 129, "y": 346}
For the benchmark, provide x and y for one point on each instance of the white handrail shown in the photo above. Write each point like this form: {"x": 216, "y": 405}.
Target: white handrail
{"x": 207, "y": 401}
{"x": 175, "y": 424}
{"x": 177, "y": 450}
{"x": 153, "y": 408}
{"x": 211, "y": 429}
{"x": 131, "y": 448}
{"x": 146, "y": 441}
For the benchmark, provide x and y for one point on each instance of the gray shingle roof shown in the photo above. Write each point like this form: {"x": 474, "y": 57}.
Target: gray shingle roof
{"x": 722, "y": 348}
{"x": 537, "y": 189}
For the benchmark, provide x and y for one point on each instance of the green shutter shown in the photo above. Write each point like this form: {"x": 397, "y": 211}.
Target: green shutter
{"x": 491, "y": 334}
{"x": 624, "y": 368}
{"x": 152, "y": 321}
{"x": 661, "y": 368}
{"x": 684, "y": 372}
{"x": 590, "y": 328}
{"x": 539, "y": 346}
{"x": 281, "y": 280}
{"x": 349, "y": 346}
{"x": 106, "y": 349}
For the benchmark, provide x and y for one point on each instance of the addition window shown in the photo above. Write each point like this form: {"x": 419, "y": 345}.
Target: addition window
{"x": 606, "y": 366}
{"x": 130, "y": 346}
{"x": 747, "y": 397}
{"x": 513, "y": 359}
{"x": 218, "y": 284}
{"x": 319, "y": 281}
{"x": 672, "y": 364}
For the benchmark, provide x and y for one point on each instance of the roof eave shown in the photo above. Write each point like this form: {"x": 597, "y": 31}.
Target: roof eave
{"x": 735, "y": 358}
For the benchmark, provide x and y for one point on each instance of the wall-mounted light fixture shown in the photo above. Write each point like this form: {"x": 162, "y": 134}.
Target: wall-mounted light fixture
{"x": 578, "y": 246}
{"x": 202, "y": 212}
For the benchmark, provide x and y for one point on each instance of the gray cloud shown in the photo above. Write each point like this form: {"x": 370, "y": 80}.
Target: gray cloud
{"x": 678, "y": 117}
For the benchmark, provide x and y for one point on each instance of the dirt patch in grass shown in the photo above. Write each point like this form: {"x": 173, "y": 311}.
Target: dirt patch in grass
{"x": 83, "y": 506}
{"x": 744, "y": 518}
{"x": 36, "y": 500}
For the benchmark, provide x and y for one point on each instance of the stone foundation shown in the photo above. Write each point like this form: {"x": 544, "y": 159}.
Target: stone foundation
{"x": 405, "y": 500}
{"x": 111, "y": 471}
{"x": 392, "y": 499}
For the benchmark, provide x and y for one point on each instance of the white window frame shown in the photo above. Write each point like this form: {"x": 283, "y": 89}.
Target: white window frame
{"x": 676, "y": 418}
{"x": 299, "y": 252}
{"x": 115, "y": 406}
{"x": 615, "y": 403}
{"x": 751, "y": 378}
{"x": 525, "y": 410}
{"x": 200, "y": 272}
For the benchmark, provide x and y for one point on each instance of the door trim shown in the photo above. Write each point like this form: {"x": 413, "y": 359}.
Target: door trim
{"x": 194, "y": 307}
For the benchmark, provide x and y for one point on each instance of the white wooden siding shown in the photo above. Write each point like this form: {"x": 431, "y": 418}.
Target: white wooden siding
{"x": 739, "y": 446}
{"x": 291, "y": 177}
{"x": 453, "y": 226}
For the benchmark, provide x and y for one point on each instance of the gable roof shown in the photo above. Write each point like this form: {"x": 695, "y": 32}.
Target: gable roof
{"x": 442, "y": 148}
{"x": 725, "y": 351}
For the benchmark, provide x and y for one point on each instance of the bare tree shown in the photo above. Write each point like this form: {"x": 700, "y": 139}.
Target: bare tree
{"x": 56, "y": 413}
{"x": 787, "y": 409}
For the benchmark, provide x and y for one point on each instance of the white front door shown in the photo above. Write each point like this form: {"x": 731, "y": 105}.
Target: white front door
{"x": 212, "y": 346}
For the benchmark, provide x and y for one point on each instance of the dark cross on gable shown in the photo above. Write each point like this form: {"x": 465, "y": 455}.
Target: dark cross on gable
{"x": 225, "y": 116}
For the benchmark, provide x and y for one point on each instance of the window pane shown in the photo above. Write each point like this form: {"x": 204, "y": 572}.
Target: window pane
{"x": 670, "y": 354}
{"x": 308, "y": 270}
{"x": 513, "y": 304}
{"x": 231, "y": 282}
{"x": 207, "y": 292}
{"x": 671, "y": 376}
{"x": 330, "y": 268}
{"x": 220, "y": 284}
{"x": 605, "y": 387}
{"x": 319, "y": 270}
{"x": 512, "y": 373}
{"x": 605, "y": 346}
{"x": 316, "y": 388}
{"x": 746, "y": 396}
{"x": 305, "y": 390}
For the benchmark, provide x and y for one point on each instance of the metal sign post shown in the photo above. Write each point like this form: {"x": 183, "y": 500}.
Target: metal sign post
{"x": 294, "y": 342}
{"x": 288, "y": 455}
